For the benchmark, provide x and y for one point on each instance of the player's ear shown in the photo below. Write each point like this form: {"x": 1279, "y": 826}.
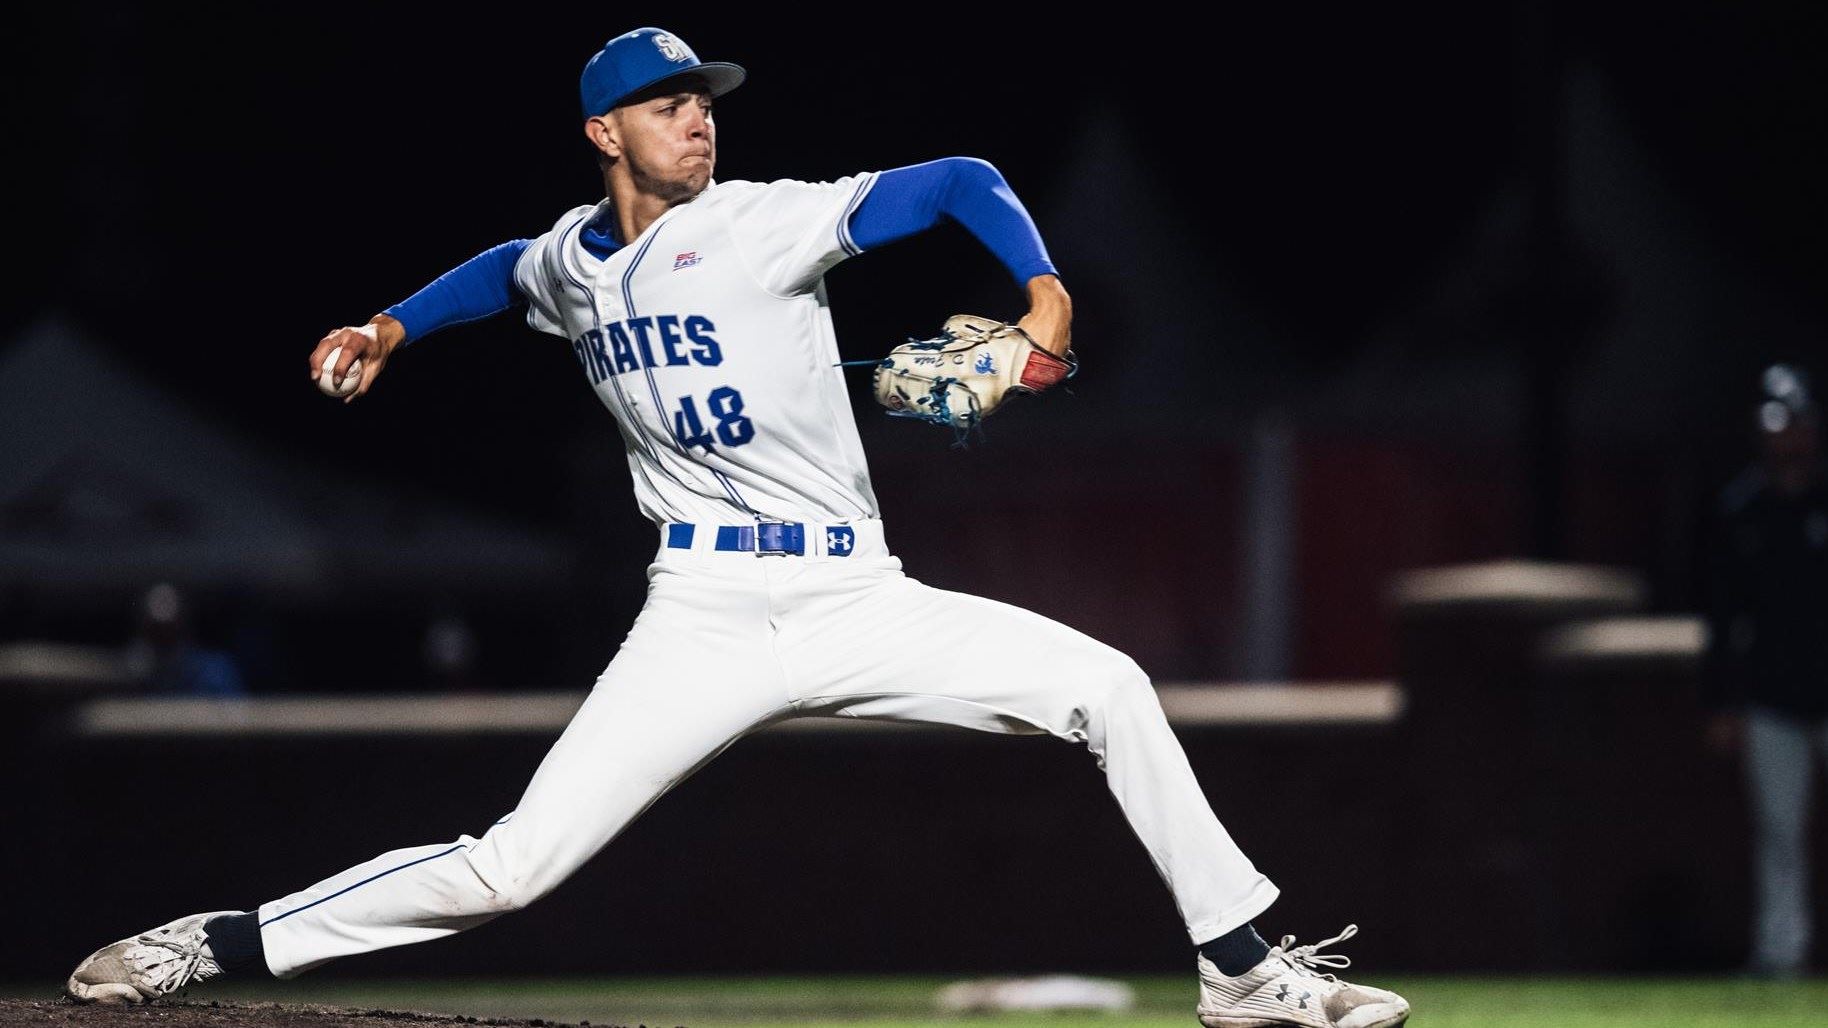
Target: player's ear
{"x": 604, "y": 136}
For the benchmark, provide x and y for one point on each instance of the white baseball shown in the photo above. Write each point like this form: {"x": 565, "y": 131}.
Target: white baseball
{"x": 352, "y": 378}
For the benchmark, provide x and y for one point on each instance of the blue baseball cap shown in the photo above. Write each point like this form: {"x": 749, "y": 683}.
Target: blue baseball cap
{"x": 636, "y": 60}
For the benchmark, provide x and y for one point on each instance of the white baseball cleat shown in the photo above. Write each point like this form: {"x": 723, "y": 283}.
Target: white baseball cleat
{"x": 1285, "y": 989}
{"x": 147, "y": 966}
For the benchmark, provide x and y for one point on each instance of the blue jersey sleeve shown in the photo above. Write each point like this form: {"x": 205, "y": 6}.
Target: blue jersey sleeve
{"x": 477, "y": 288}
{"x": 971, "y": 192}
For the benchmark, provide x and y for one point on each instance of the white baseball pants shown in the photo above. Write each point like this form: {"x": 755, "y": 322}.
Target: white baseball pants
{"x": 729, "y": 642}
{"x": 1780, "y": 772}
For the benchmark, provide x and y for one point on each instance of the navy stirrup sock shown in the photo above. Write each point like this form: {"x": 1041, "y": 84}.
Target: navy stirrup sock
{"x": 235, "y": 941}
{"x": 1237, "y": 951}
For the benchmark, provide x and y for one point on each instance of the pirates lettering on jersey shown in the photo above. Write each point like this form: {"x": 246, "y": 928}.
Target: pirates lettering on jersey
{"x": 636, "y": 344}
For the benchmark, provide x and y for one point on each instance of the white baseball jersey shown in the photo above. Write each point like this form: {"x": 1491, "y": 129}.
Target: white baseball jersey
{"x": 709, "y": 339}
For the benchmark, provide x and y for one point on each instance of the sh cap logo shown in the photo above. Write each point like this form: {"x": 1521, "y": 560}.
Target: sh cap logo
{"x": 670, "y": 48}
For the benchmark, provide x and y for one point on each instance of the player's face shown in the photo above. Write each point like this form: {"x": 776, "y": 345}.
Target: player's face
{"x": 669, "y": 143}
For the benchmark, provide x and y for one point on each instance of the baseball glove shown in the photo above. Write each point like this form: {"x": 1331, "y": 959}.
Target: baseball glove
{"x": 963, "y": 375}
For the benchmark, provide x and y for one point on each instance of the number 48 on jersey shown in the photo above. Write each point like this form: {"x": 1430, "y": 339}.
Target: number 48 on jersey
{"x": 729, "y": 427}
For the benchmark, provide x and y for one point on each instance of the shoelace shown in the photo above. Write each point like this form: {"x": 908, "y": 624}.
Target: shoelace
{"x": 168, "y": 975}
{"x": 1307, "y": 959}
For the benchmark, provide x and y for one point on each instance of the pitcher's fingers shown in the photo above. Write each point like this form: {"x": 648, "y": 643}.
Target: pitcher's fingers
{"x": 370, "y": 370}
{"x": 318, "y": 353}
{"x": 343, "y": 360}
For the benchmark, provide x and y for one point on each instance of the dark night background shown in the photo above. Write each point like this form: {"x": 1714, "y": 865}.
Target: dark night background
{"x": 1501, "y": 276}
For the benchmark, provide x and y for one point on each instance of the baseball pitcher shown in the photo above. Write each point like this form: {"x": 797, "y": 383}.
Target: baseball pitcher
{"x": 697, "y": 311}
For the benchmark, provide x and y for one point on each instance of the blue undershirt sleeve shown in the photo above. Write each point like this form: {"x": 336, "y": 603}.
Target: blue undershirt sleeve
{"x": 971, "y": 192}
{"x": 477, "y": 288}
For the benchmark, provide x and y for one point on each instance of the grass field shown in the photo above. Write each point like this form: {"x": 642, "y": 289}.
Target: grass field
{"x": 1439, "y": 1002}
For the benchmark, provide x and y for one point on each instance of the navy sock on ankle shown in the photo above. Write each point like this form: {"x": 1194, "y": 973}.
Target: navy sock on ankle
{"x": 1237, "y": 951}
{"x": 235, "y": 940}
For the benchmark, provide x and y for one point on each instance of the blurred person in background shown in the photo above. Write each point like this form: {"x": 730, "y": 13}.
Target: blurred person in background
{"x": 165, "y": 656}
{"x": 1767, "y": 675}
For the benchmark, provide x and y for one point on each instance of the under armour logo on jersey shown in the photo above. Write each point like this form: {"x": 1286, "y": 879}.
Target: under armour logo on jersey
{"x": 1294, "y": 997}
{"x": 686, "y": 260}
{"x": 985, "y": 365}
{"x": 669, "y": 48}
{"x": 839, "y": 540}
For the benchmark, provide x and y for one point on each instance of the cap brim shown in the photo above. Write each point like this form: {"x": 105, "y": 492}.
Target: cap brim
{"x": 722, "y": 76}
{"x": 719, "y": 76}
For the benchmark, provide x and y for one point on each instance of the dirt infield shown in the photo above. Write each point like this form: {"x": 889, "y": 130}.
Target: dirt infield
{"x": 19, "y": 1012}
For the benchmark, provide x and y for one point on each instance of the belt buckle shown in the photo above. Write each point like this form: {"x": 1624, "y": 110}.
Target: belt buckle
{"x": 779, "y": 538}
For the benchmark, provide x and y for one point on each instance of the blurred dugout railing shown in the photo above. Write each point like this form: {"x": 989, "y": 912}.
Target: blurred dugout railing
{"x": 1188, "y": 704}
